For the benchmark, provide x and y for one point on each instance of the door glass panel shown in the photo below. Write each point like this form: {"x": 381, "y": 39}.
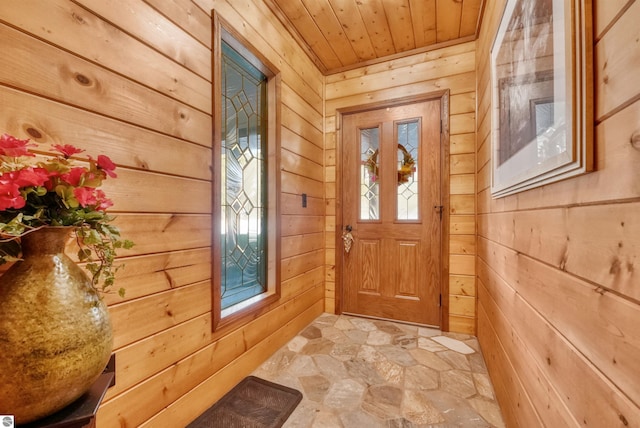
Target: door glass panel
{"x": 408, "y": 196}
{"x": 369, "y": 174}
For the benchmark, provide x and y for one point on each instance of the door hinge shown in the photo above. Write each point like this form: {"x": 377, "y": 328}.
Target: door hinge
{"x": 441, "y": 126}
{"x": 440, "y": 301}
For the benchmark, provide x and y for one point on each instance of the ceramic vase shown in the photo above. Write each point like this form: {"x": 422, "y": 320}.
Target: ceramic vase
{"x": 55, "y": 331}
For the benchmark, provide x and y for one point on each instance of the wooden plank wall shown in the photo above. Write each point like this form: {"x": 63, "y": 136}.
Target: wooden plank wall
{"x": 451, "y": 68}
{"x": 558, "y": 267}
{"x": 133, "y": 80}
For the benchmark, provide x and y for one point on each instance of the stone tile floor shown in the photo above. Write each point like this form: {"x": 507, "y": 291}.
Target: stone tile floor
{"x": 357, "y": 372}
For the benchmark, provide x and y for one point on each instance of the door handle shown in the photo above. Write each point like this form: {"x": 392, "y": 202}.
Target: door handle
{"x": 347, "y": 238}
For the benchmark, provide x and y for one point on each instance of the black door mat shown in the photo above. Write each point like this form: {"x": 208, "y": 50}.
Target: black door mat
{"x": 253, "y": 403}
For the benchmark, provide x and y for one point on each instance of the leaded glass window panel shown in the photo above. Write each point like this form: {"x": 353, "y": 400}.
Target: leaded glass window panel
{"x": 407, "y": 164}
{"x": 370, "y": 174}
{"x": 244, "y": 190}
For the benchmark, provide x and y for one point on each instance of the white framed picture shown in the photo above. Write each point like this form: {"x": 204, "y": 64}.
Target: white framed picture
{"x": 542, "y": 94}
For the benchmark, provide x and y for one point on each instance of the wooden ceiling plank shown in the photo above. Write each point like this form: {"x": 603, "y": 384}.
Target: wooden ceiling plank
{"x": 286, "y": 22}
{"x": 423, "y": 15}
{"x": 354, "y": 27}
{"x": 306, "y": 26}
{"x": 448, "y": 13}
{"x": 330, "y": 27}
{"x": 341, "y": 35}
{"x": 469, "y": 18}
{"x": 400, "y": 23}
{"x": 376, "y": 22}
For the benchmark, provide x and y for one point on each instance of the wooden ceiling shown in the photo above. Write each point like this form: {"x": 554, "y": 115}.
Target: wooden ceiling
{"x": 343, "y": 34}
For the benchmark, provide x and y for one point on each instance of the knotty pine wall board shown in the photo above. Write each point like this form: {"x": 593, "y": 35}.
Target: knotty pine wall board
{"x": 134, "y": 82}
{"x": 557, "y": 265}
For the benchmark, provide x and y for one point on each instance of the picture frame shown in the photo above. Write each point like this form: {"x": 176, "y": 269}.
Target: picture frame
{"x": 541, "y": 94}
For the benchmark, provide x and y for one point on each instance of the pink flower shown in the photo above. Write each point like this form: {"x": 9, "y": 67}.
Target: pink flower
{"x": 11, "y": 146}
{"x": 105, "y": 164}
{"x": 67, "y": 150}
{"x": 10, "y": 196}
{"x": 85, "y": 196}
{"x": 103, "y": 201}
{"x": 26, "y": 177}
{"x": 74, "y": 176}
{"x": 49, "y": 183}
{"x": 29, "y": 177}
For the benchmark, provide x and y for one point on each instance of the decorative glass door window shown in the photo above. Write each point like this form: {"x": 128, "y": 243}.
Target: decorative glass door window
{"x": 244, "y": 191}
{"x": 369, "y": 174}
{"x": 408, "y": 140}
{"x": 385, "y": 180}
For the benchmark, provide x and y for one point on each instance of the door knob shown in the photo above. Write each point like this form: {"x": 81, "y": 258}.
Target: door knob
{"x": 347, "y": 239}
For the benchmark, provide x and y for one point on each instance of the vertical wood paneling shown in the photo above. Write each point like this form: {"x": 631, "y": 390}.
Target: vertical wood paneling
{"x": 134, "y": 81}
{"x": 558, "y": 295}
{"x": 450, "y": 68}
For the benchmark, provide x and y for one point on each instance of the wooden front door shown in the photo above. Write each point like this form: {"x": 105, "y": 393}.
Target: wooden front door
{"x": 391, "y": 204}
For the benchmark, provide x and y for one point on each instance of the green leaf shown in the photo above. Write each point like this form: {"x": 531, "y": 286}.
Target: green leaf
{"x": 10, "y": 251}
{"x": 91, "y": 237}
{"x": 84, "y": 254}
{"x": 92, "y": 267}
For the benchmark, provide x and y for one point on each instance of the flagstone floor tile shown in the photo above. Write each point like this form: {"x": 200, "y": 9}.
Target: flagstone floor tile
{"x": 356, "y": 372}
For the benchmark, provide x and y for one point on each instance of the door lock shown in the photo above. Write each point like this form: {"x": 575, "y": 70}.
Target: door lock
{"x": 439, "y": 209}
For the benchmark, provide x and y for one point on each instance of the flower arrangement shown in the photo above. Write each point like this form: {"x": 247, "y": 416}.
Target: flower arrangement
{"x": 57, "y": 192}
{"x": 408, "y": 166}
{"x": 371, "y": 163}
{"x": 405, "y": 170}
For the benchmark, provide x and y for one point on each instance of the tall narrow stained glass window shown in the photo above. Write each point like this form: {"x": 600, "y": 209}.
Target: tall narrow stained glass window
{"x": 244, "y": 189}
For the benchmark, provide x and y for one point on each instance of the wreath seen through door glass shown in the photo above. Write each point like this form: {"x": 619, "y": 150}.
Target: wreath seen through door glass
{"x": 405, "y": 169}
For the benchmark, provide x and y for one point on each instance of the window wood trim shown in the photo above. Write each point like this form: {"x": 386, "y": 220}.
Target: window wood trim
{"x": 222, "y": 30}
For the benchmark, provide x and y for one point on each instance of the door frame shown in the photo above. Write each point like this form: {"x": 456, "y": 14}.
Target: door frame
{"x": 443, "y": 97}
